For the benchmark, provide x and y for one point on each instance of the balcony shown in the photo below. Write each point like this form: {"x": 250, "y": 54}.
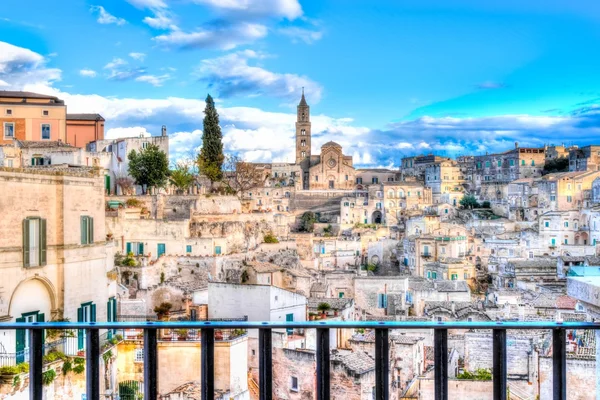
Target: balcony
{"x": 208, "y": 329}
{"x": 426, "y": 255}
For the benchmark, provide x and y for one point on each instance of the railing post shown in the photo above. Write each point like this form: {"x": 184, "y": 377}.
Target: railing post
{"x": 440, "y": 339}
{"x": 150, "y": 364}
{"x": 36, "y": 354}
{"x": 499, "y": 364}
{"x": 323, "y": 367}
{"x": 208, "y": 364}
{"x": 382, "y": 364}
{"x": 559, "y": 364}
{"x": 92, "y": 367}
{"x": 265, "y": 364}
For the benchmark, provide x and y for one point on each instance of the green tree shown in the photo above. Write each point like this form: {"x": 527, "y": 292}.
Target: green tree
{"x": 211, "y": 157}
{"x": 469, "y": 201}
{"x": 149, "y": 167}
{"x": 307, "y": 221}
{"x": 181, "y": 177}
{"x": 560, "y": 164}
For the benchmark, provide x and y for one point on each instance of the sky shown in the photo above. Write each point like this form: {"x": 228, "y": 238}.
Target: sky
{"x": 385, "y": 79}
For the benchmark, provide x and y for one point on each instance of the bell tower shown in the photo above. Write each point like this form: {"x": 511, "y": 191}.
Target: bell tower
{"x": 302, "y": 131}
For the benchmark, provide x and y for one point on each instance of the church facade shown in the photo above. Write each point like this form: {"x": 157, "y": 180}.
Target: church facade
{"x": 329, "y": 170}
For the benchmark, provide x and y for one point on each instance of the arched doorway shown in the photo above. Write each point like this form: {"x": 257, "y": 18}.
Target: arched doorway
{"x": 376, "y": 217}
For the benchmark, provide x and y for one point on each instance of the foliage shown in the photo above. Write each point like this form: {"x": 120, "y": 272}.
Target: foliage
{"x": 79, "y": 369}
{"x": 560, "y": 164}
{"x": 23, "y": 367}
{"x": 328, "y": 229}
{"x": 181, "y": 177}
{"x": 163, "y": 309}
{"x": 107, "y": 356}
{"x": 242, "y": 176}
{"x": 469, "y": 201}
{"x": 67, "y": 367}
{"x": 372, "y": 267}
{"x": 16, "y": 381}
{"x": 270, "y": 238}
{"x": 134, "y": 203}
{"x": 53, "y": 334}
{"x": 149, "y": 167}
{"x": 79, "y": 361}
{"x": 53, "y": 356}
{"x": 48, "y": 377}
{"x": 481, "y": 374}
{"x": 129, "y": 261}
{"x": 210, "y": 160}
{"x": 323, "y": 307}
{"x": 307, "y": 221}
{"x": 10, "y": 370}
{"x": 486, "y": 204}
{"x": 365, "y": 226}
{"x": 181, "y": 333}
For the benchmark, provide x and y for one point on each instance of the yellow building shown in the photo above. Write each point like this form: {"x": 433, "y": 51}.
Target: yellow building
{"x": 31, "y": 116}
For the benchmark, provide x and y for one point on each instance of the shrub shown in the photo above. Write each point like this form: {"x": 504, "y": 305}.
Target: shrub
{"x": 372, "y": 267}
{"x": 53, "y": 356}
{"x": 133, "y": 202}
{"x": 163, "y": 309}
{"x": 9, "y": 370}
{"x": 270, "y": 238}
{"x": 481, "y": 374}
{"x": 79, "y": 369}
{"x": 67, "y": 367}
{"x": 23, "y": 367}
{"x": 486, "y": 204}
{"x": 323, "y": 307}
{"x": 48, "y": 377}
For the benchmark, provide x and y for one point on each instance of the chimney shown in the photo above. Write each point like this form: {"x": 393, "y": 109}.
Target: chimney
{"x": 453, "y": 307}
{"x": 164, "y": 130}
{"x": 516, "y": 145}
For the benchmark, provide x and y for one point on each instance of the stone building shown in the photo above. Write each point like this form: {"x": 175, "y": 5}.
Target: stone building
{"x": 415, "y": 166}
{"x": 554, "y": 152}
{"x": 565, "y": 190}
{"x": 31, "y": 116}
{"x": 445, "y": 178}
{"x": 331, "y": 169}
{"x": 373, "y": 176}
{"x": 501, "y": 168}
{"x": 53, "y": 245}
{"x": 586, "y": 158}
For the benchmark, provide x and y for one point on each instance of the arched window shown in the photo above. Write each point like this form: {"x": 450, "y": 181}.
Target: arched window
{"x": 303, "y": 154}
{"x": 303, "y": 132}
{"x": 391, "y": 194}
{"x": 400, "y": 193}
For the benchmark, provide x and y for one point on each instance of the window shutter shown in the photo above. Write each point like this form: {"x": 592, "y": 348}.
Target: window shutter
{"x": 114, "y": 309}
{"x": 43, "y": 252}
{"x": 42, "y": 318}
{"x": 91, "y": 228}
{"x": 80, "y": 331}
{"x": 26, "y": 242}
{"x": 93, "y": 313}
{"x": 82, "y": 229}
{"x": 141, "y": 249}
{"x": 128, "y": 247}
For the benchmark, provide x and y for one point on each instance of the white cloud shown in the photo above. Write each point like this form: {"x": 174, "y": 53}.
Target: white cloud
{"x": 301, "y": 34}
{"x": 116, "y": 62}
{"x": 224, "y": 36}
{"x": 119, "y": 70}
{"x": 90, "y": 73}
{"x": 161, "y": 20}
{"x": 105, "y": 17}
{"x": 289, "y": 9}
{"x": 134, "y": 131}
{"x": 137, "y": 56}
{"x": 20, "y": 66}
{"x": 154, "y": 80}
{"x": 153, "y": 4}
{"x": 231, "y": 75}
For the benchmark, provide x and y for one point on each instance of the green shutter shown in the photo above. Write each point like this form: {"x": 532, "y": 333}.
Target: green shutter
{"x": 26, "y": 242}
{"x": 91, "y": 228}
{"x": 128, "y": 247}
{"x": 141, "y": 249}
{"x": 42, "y": 318}
{"x": 82, "y": 228}
{"x": 93, "y": 313}
{"x": 43, "y": 243}
{"x": 109, "y": 316}
{"x": 80, "y": 331}
{"x": 114, "y": 309}
{"x": 20, "y": 336}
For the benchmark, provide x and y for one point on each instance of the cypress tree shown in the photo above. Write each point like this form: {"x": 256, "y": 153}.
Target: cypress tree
{"x": 210, "y": 159}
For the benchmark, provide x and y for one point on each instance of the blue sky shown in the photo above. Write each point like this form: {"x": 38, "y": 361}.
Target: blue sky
{"x": 385, "y": 79}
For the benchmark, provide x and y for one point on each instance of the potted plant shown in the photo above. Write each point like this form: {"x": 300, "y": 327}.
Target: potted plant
{"x": 182, "y": 334}
{"x": 8, "y": 374}
{"x": 323, "y": 308}
{"x": 218, "y": 334}
{"x": 311, "y": 316}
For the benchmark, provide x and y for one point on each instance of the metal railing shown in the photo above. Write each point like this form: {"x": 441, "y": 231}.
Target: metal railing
{"x": 382, "y": 357}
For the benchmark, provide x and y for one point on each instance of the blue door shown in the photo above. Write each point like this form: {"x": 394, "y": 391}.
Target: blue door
{"x": 217, "y": 250}
{"x": 289, "y": 318}
{"x": 161, "y": 249}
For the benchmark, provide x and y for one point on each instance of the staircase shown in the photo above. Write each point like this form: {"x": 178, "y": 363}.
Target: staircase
{"x": 515, "y": 394}
{"x": 253, "y": 387}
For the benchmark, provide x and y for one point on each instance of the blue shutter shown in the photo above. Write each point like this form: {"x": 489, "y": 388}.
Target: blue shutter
{"x": 128, "y": 248}
{"x": 93, "y": 313}
{"x": 80, "y": 331}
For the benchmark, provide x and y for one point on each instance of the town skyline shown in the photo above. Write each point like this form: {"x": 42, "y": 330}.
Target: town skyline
{"x": 147, "y": 63}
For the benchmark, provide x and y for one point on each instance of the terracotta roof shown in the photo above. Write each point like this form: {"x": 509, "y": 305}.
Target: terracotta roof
{"x": 566, "y": 302}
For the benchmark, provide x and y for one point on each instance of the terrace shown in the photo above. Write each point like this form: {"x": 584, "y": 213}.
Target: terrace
{"x": 207, "y": 335}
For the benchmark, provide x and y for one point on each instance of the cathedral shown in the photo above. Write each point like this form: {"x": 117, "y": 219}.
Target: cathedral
{"x": 329, "y": 170}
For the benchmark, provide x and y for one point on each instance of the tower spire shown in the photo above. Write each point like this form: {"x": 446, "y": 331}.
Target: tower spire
{"x": 303, "y": 100}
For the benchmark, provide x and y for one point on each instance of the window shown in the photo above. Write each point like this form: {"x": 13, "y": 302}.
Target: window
{"x": 566, "y": 224}
{"x": 512, "y": 163}
{"x": 303, "y": 143}
{"x": 443, "y": 250}
{"x": 8, "y": 111}
{"x": 316, "y": 178}
{"x": 454, "y": 277}
{"x": 382, "y": 300}
{"x": 547, "y": 224}
{"x": 375, "y": 180}
{"x": 434, "y": 275}
{"x": 425, "y": 250}
{"x": 303, "y": 132}
{"x": 346, "y": 204}
{"x": 45, "y": 113}
{"x": 566, "y": 241}
{"x": 569, "y": 199}
{"x": 136, "y": 248}
{"x": 217, "y": 250}
{"x": 22, "y": 335}
{"x": 341, "y": 295}
{"x": 45, "y": 131}
{"x": 160, "y": 249}
{"x": 359, "y": 181}
{"x": 552, "y": 198}
{"x": 9, "y": 163}
{"x": 532, "y": 163}
{"x": 499, "y": 163}
{"x": 478, "y": 165}
{"x": 294, "y": 384}
{"x": 466, "y": 276}
{"x": 144, "y": 145}
{"x": 87, "y": 229}
{"x": 522, "y": 162}
{"x": 34, "y": 242}
{"x": 553, "y": 242}
{"x": 85, "y": 313}
{"x": 139, "y": 355}
{"x": 9, "y": 130}
{"x": 303, "y": 154}
{"x": 445, "y": 211}
{"x": 568, "y": 186}
{"x": 487, "y": 164}
{"x": 346, "y": 177}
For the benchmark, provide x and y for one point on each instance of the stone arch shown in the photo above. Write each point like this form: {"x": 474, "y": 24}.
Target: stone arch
{"x": 376, "y": 217}
{"x": 45, "y": 282}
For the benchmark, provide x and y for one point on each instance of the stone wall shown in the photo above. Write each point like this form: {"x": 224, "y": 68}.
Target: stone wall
{"x": 581, "y": 379}
{"x": 293, "y": 363}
